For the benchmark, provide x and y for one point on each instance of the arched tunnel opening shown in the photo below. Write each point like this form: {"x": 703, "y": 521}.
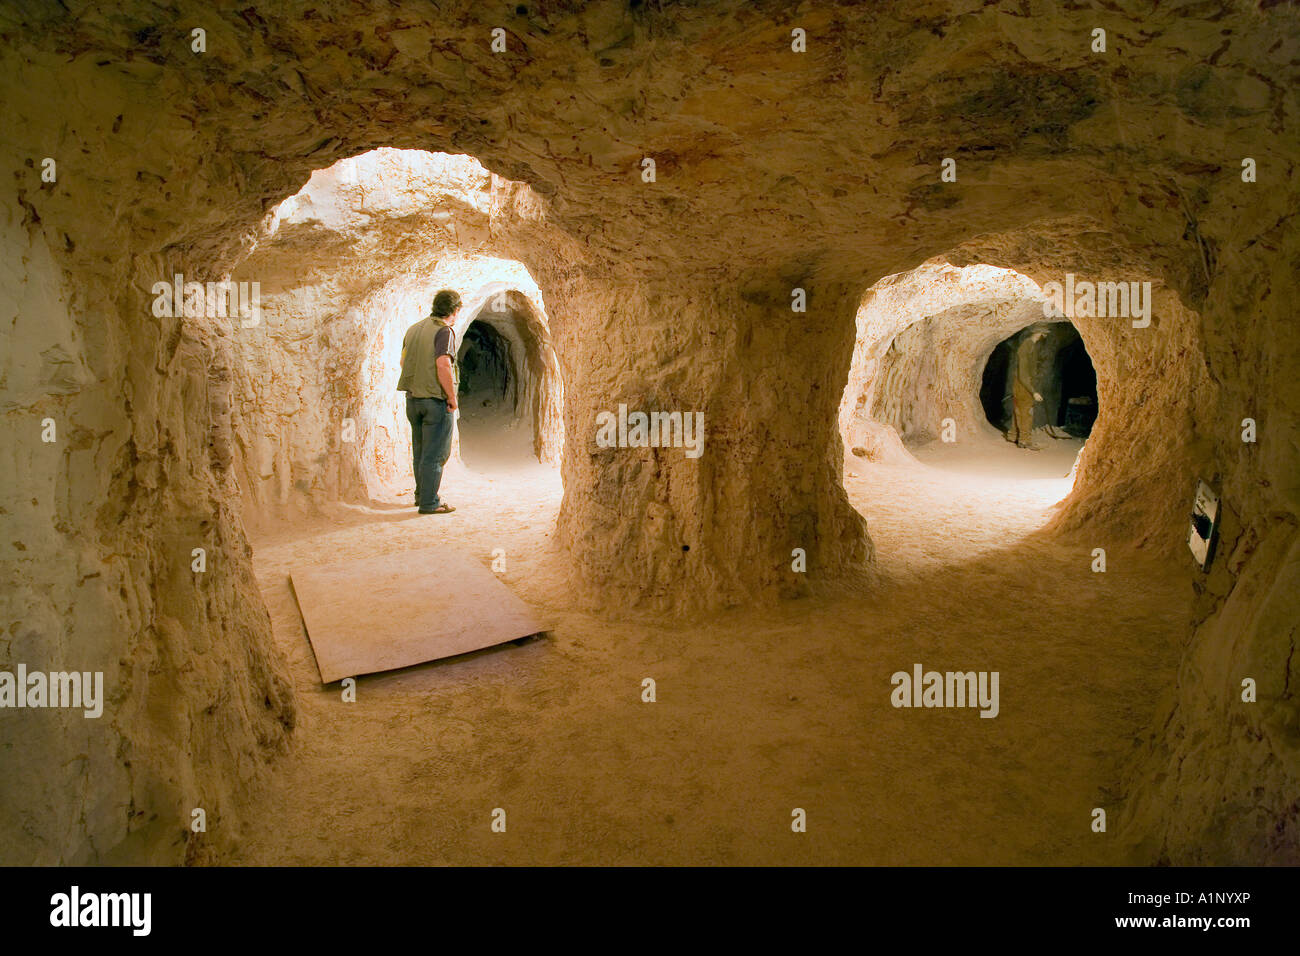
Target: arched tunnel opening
{"x": 318, "y": 414}
{"x": 956, "y": 369}
{"x": 995, "y": 389}
{"x": 1077, "y": 402}
{"x": 1040, "y": 382}
{"x": 502, "y": 378}
{"x": 487, "y": 381}
{"x": 746, "y": 433}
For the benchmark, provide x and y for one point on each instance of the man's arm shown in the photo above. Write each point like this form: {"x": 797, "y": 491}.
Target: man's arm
{"x": 444, "y": 379}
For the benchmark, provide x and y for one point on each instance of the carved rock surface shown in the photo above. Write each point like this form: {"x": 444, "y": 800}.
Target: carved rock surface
{"x": 774, "y": 170}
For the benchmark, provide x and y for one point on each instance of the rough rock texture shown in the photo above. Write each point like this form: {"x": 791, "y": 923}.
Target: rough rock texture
{"x": 100, "y": 530}
{"x": 774, "y": 170}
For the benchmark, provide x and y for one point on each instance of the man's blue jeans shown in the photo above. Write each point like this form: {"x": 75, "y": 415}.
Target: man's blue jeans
{"x": 431, "y": 427}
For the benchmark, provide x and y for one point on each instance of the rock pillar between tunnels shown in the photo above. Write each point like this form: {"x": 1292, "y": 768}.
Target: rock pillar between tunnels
{"x": 656, "y": 526}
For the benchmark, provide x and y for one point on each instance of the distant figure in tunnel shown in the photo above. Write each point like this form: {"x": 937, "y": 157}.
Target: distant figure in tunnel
{"x": 429, "y": 380}
{"x": 1023, "y": 397}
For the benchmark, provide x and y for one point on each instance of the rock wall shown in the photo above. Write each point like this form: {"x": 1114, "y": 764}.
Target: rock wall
{"x": 654, "y": 527}
{"x": 672, "y": 290}
{"x": 1216, "y": 779}
{"x": 114, "y": 472}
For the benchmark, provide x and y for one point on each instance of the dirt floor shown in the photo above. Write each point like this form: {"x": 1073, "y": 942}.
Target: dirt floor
{"x": 758, "y": 712}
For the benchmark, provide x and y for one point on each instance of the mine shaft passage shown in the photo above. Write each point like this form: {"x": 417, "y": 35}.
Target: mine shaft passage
{"x": 496, "y": 428}
{"x": 486, "y": 381}
{"x": 1040, "y": 381}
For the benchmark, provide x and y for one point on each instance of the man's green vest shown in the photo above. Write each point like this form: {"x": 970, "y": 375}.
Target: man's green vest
{"x": 419, "y": 378}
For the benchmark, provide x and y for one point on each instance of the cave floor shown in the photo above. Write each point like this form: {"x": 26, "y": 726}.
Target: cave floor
{"x": 758, "y": 711}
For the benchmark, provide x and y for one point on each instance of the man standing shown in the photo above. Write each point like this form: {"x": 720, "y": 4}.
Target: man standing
{"x": 1024, "y": 398}
{"x": 429, "y": 379}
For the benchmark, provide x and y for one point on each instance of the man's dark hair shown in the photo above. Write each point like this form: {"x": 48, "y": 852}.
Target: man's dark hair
{"x": 445, "y": 303}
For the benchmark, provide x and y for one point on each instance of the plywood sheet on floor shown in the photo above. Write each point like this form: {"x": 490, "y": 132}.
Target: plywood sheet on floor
{"x": 394, "y": 610}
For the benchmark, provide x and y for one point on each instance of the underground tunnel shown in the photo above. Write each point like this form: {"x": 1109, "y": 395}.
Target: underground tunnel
{"x": 507, "y": 388}
{"x": 915, "y": 450}
{"x": 1058, "y": 383}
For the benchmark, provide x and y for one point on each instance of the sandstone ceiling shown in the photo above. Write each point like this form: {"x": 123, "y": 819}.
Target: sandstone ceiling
{"x": 769, "y": 162}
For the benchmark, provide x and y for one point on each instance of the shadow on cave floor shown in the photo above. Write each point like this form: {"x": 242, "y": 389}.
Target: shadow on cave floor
{"x": 759, "y": 710}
